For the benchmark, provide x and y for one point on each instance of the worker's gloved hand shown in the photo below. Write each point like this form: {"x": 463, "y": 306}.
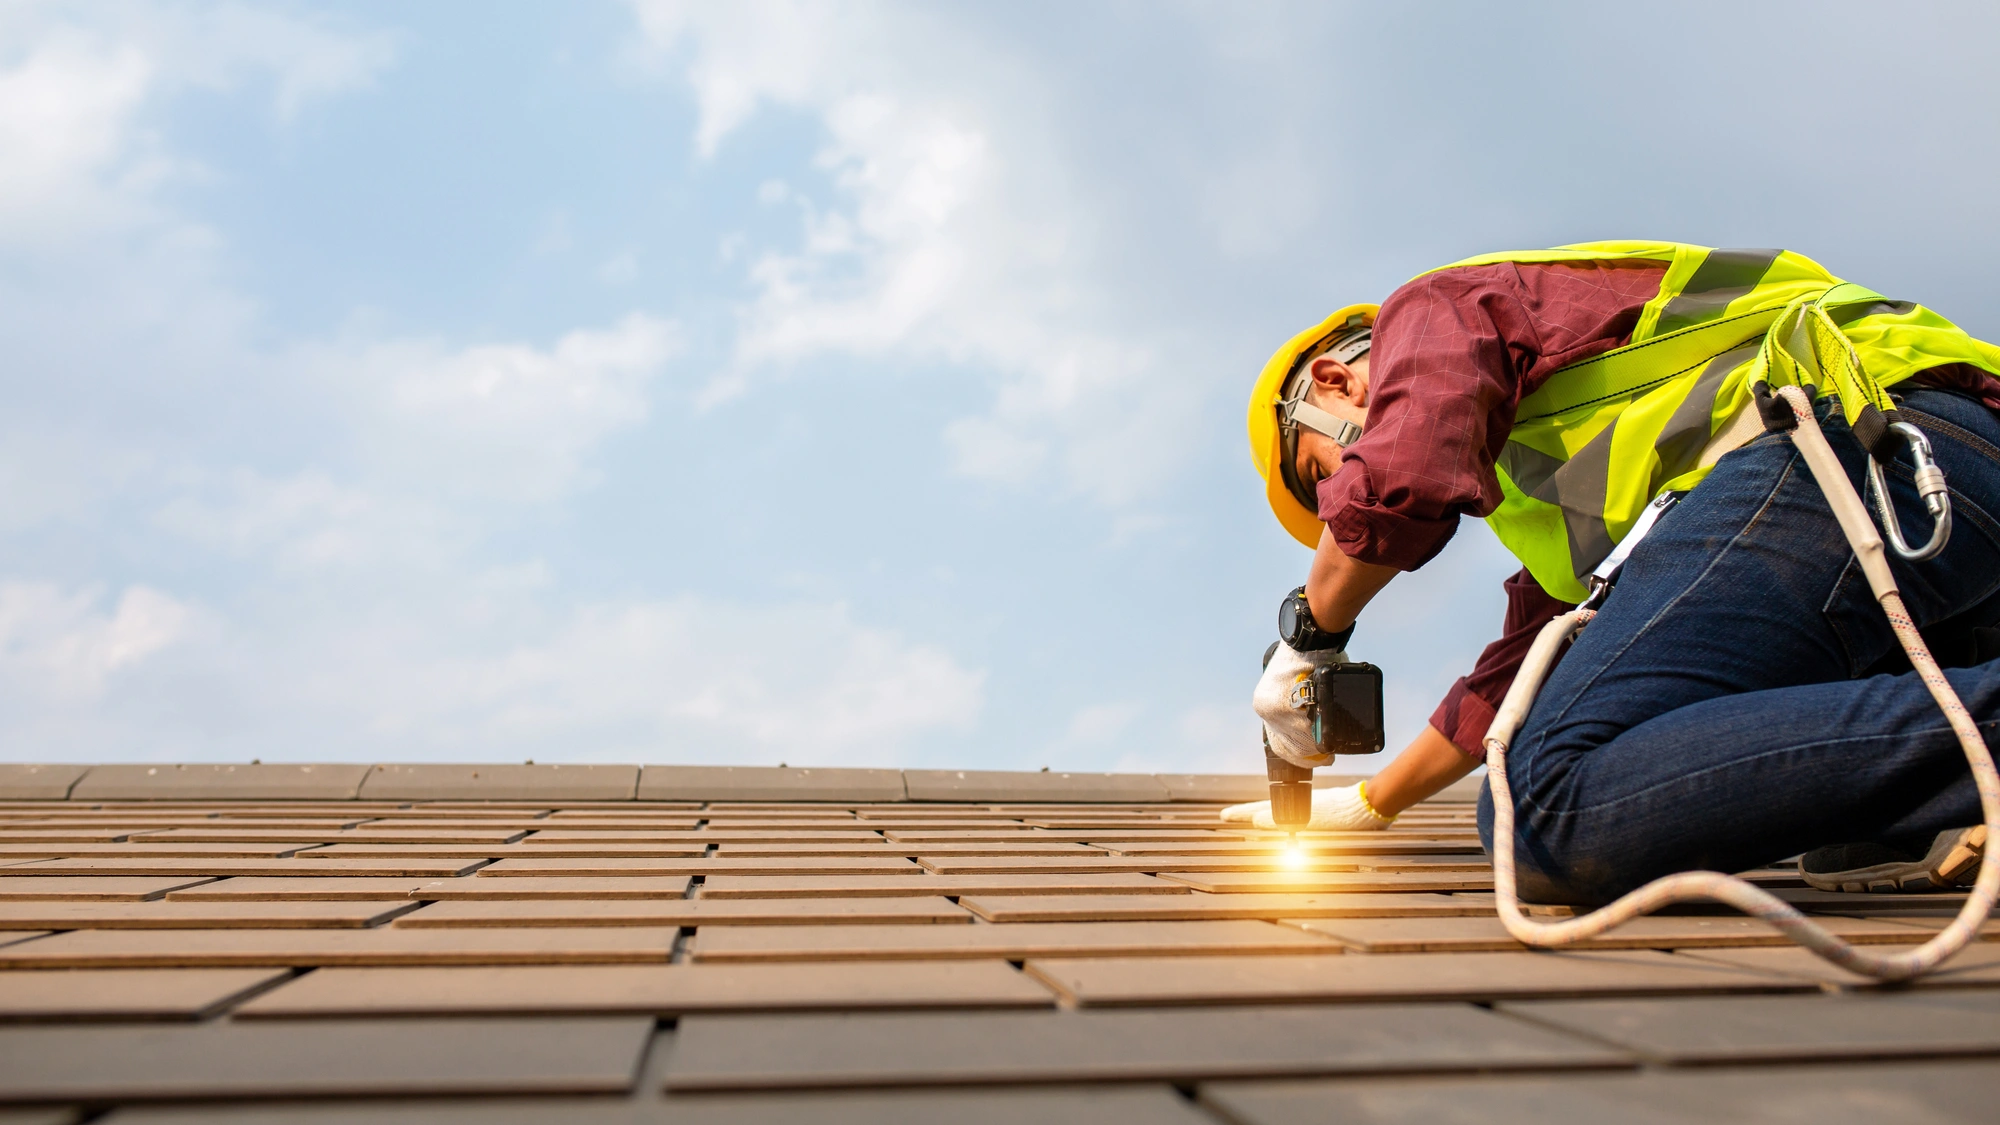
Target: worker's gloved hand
{"x": 1334, "y": 810}
{"x": 1289, "y": 728}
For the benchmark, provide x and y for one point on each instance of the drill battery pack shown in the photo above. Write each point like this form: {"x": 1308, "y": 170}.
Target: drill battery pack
{"x": 1344, "y": 698}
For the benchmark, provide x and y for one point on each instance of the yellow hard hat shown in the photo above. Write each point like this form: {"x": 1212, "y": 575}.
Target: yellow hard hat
{"x": 1267, "y": 444}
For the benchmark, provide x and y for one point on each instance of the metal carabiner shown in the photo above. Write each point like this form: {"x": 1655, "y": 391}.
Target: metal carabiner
{"x": 1930, "y": 486}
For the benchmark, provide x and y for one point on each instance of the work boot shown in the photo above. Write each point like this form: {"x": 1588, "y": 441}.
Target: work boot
{"x": 1953, "y": 861}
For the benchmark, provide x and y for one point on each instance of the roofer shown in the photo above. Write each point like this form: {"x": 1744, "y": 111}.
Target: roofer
{"x": 1739, "y": 698}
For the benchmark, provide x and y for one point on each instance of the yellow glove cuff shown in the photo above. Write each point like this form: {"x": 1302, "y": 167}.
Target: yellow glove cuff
{"x": 1361, "y": 790}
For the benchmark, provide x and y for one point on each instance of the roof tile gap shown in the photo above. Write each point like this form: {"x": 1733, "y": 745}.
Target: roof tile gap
{"x": 653, "y": 1060}
{"x": 229, "y": 1004}
{"x": 1514, "y": 1011}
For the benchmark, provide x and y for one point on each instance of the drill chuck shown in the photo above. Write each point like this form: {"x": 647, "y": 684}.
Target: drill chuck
{"x": 1291, "y": 790}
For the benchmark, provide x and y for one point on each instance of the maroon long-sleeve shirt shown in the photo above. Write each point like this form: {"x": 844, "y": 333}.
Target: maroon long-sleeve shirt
{"x": 1454, "y": 353}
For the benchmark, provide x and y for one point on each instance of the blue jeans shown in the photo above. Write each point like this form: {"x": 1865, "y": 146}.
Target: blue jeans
{"x": 1738, "y": 701}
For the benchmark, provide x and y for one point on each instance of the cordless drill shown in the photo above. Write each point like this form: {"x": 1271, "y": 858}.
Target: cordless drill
{"x": 1343, "y": 698}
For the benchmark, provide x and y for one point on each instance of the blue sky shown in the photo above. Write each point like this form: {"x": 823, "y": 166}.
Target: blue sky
{"x": 829, "y": 384}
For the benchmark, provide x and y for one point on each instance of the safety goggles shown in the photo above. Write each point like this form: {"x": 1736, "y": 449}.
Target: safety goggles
{"x": 1294, "y": 411}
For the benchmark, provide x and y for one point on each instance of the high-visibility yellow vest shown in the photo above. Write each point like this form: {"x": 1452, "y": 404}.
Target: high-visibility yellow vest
{"x": 1602, "y": 438}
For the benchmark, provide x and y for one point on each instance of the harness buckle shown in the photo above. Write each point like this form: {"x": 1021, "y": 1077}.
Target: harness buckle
{"x": 1931, "y": 488}
{"x": 1600, "y": 589}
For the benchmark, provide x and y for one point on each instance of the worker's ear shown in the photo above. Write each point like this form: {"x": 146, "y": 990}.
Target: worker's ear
{"x": 1334, "y": 379}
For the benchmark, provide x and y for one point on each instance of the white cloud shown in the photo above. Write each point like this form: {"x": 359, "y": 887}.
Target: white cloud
{"x": 779, "y": 52}
{"x": 64, "y": 112}
{"x": 62, "y": 646}
{"x": 399, "y": 639}
{"x": 478, "y": 669}
{"x": 305, "y": 522}
{"x": 304, "y": 58}
{"x": 689, "y": 678}
{"x": 102, "y": 279}
{"x": 1098, "y": 724}
{"x": 439, "y": 449}
{"x": 345, "y": 515}
{"x": 1205, "y": 738}
{"x": 952, "y": 236}
{"x": 507, "y": 421}
{"x": 621, "y": 268}
{"x": 990, "y": 450}
{"x": 75, "y": 80}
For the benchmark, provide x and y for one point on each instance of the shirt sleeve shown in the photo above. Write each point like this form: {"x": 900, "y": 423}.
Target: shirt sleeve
{"x": 1454, "y": 352}
{"x": 1469, "y": 707}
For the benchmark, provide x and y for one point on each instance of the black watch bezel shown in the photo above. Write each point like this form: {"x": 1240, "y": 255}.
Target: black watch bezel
{"x": 1305, "y": 635}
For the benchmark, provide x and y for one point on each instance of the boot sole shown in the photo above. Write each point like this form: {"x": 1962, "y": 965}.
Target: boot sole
{"x": 1947, "y": 872}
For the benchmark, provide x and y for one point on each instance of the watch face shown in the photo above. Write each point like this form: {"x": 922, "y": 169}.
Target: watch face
{"x": 1289, "y": 623}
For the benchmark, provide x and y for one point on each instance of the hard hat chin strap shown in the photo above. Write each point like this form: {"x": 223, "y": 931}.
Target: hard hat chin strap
{"x": 1343, "y": 432}
{"x": 1294, "y": 411}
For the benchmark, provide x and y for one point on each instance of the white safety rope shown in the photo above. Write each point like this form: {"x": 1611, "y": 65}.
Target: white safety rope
{"x": 1742, "y": 895}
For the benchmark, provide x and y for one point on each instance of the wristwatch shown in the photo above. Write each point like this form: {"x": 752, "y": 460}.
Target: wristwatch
{"x": 1297, "y": 628}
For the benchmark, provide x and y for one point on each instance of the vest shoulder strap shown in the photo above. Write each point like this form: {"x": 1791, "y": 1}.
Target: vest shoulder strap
{"x": 1638, "y": 367}
{"x": 1575, "y": 252}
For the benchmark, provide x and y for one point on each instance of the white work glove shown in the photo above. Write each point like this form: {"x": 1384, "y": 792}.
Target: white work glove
{"x": 1288, "y": 727}
{"x": 1334, "y": 810}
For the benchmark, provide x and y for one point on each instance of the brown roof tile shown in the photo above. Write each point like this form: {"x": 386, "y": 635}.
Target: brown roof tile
{"x": 430, "y": 938}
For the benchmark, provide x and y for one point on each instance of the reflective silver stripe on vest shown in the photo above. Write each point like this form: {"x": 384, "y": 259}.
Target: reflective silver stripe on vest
{"x": 1844, "y": 315}
{"x": 1686, "y": 434}
{"x": 1722, "y": 277}
{"x": 1578, "y": 486}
